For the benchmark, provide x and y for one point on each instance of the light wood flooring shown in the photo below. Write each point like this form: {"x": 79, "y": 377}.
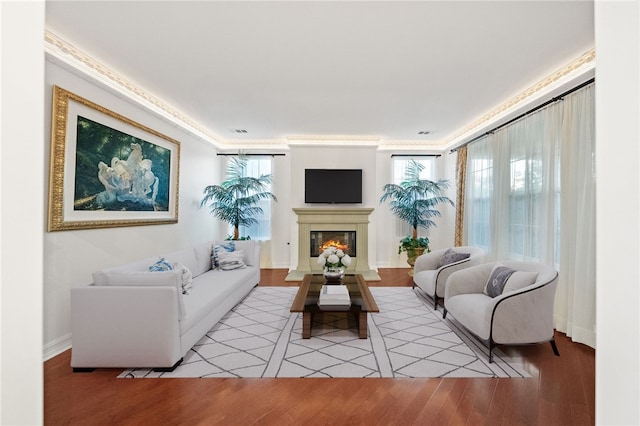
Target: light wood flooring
{"x": 561, "y": 392}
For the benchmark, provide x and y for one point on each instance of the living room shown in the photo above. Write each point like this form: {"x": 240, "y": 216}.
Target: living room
{"x": 71, "y": 256}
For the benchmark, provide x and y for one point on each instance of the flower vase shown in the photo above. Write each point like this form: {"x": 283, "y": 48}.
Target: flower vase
{"x": 333, "y": 275}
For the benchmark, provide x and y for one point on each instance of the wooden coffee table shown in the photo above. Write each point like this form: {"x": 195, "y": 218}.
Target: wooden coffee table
{"x": 306, "y": 301}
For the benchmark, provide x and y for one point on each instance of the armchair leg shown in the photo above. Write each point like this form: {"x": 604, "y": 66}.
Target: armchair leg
{"x": 444, "y": 313}
{"x": 554, "y": 347}
{"x": 490, "y": 351}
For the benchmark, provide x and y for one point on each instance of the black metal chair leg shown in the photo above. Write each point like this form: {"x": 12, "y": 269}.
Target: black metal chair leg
{"x": 444, "y": 313}
{"x": 554, "y": 347}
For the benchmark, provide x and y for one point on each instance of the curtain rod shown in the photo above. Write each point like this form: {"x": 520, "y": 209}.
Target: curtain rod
{"x": 416, "y": 155}
{"x": 251, "y": 155}
{"x": 524, "y": 114}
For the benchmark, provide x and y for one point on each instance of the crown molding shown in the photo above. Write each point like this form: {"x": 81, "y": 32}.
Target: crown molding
{"x": 78, "y": 60}
{"x": 579, "y": 67}
{"x": 73, "y": 57}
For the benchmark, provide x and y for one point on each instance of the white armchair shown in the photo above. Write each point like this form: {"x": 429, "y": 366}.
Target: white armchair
{"x": 431, "y": 277}
{"x": 521, "y": 314}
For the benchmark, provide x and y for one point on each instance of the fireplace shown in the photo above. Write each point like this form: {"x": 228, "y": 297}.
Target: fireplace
{"x": 345, "y": 226}
{"x": 343, "y": 240}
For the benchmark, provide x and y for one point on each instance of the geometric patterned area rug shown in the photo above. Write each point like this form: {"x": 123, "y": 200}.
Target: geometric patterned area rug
{"x": 407, "y": 338}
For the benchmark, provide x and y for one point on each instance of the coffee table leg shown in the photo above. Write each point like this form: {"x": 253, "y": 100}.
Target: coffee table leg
{"x": 362, "y": 325}
{"x": 306, "y": 325}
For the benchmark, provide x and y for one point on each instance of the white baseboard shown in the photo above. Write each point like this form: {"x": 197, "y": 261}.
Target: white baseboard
{"x": 56, "y": 347}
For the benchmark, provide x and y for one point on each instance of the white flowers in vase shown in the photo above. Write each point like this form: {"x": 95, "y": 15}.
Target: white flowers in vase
{"x": 333, "y": 257}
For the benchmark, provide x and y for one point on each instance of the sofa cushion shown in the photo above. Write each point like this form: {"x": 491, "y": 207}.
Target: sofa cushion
{"x": 146, "y": 278}
{"x": 451, "y": 256}
{"x": 210, "y": 290}
{"x": 203, "y": 258}
{"x": 518, "y": 280}
{"x": 142, "y": 265}
{"x": 497, "y": 280}
{"x": 186, "y": 257}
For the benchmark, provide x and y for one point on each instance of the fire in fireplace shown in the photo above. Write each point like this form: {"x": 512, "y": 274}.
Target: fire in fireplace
{"x": 343, "y": 240}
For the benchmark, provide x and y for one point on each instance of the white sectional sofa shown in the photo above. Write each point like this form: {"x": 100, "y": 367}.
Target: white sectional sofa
{"x": 131, "y": 317}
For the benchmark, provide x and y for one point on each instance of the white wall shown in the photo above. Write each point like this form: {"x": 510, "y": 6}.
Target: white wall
{"x": 617, "y": 212}
{"x": 376, "y": 167}
{"x": 71, "y": 256}
{"x": 21, "y": 207}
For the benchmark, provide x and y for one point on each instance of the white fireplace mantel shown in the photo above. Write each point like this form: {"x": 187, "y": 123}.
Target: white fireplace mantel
{"x": 333, "y": 219}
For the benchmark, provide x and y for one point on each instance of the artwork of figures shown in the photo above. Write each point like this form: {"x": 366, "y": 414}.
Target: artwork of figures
{"x": 125, "y": 177}
{"x": 108, "y": 170}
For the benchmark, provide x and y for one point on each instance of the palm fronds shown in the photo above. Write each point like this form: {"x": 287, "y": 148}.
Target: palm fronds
{"x": 234, "y": 200}
{"x": 414, "y": 200}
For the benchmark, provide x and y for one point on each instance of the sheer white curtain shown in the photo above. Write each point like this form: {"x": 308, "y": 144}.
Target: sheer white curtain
{"x": 530, "y": 196}
{"x": 576, "y": 294}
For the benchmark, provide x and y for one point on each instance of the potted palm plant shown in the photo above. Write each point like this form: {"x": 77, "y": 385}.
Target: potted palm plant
{"x": 235, "y": 200}
{"x": 414, "y": 201}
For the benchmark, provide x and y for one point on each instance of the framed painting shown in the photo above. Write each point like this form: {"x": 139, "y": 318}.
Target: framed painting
{"x": 107, "y": 170}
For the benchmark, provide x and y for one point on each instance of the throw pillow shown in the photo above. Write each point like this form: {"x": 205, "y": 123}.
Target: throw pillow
{"x": 232, "y": 260}
{"x": 451, "y": 256}
{"x": 186, "y": 277}
{"x": 217, "y": 249}
{"x": 520, "y": 279}
{"x": 497, "y": 280}
{"x": 160, "y": 265}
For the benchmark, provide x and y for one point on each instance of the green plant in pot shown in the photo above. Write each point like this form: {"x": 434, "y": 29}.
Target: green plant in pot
{"x": 235, "y": 200}
{"x": 415, "y": 202}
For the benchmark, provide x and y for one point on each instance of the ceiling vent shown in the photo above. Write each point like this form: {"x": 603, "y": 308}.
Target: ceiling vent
{"x": 424, "y": 132}
{"x": 239, "y": 131}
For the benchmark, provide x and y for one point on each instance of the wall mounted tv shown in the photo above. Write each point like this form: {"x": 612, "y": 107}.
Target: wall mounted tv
{"x": 333, "y": 186}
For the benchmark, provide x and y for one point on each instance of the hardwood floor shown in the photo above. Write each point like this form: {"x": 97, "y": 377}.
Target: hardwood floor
{"x": 561, "y": 392}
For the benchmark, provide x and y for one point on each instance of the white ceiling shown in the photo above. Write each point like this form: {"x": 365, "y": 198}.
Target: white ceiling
{"x": 374, "y": 69}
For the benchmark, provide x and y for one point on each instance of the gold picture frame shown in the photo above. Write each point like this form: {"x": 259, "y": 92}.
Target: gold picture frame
{"x": 107, "y": 170}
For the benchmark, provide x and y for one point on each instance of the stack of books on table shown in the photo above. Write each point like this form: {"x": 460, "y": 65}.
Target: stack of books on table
{"x": 334, "y": 298}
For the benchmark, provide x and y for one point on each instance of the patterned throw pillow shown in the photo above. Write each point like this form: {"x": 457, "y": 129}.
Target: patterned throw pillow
{"x": 497, "y": 280}
{"x": 160, "y": 265}
{"x": 232, "y": 260}
{"x": 451, "y": 256}
{"x": 186, "y": 277}
{"x": 217, "y": 249}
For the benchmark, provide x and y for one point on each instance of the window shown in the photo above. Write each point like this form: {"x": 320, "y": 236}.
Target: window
{"x": 257, "y": 166}
{"x": 480, "y": 173}
{"x": 399, "y": 169}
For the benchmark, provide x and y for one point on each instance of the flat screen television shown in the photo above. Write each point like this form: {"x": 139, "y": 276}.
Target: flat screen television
{"x": 333, "y": 186}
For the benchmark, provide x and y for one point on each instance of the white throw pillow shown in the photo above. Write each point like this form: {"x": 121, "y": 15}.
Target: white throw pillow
{"x": 216, "y": 249}
{"x": 520, "y": 279}
{"x": 231, "y": 260}
{"x": 186, "y": 277}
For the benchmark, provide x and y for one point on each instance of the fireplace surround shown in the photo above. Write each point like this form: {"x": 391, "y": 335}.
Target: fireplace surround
{"x": 338, "y": 221}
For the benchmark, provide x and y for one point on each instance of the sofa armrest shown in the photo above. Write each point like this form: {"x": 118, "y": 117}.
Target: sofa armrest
{"x": 133, "y": 326}
{"x": 467, "y": 280}
{"x": 426, "y": 262}
{"x": 525, "y": 315}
